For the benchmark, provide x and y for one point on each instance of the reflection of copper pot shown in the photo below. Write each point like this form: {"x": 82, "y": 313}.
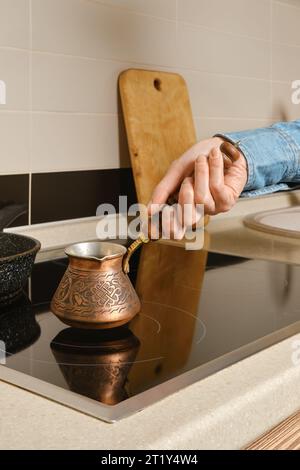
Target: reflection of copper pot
{"x": 96, "y": 363}
{"x": 94, "y": 291}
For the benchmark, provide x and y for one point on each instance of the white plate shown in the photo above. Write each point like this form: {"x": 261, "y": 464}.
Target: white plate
{"x": 284, "y": 222}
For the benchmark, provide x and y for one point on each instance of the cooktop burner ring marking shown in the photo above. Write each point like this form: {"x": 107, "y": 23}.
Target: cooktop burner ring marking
{"x": 153, "y": 319}
{"x": 204, "y": 331}
{"x": 183, "y": 311}
{"x": 40, "y": 361}
{"x": 159, "y": 327}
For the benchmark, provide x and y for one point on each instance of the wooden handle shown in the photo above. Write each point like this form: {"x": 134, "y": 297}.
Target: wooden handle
{"x": 230, "y": 151}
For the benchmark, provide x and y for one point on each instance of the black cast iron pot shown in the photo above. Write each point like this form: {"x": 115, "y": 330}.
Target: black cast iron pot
{"x": 17, "y": 255}
{"x": 18, "y": 326}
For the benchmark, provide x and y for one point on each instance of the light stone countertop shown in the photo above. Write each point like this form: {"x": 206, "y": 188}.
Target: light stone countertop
{"x": 227, "y": 410}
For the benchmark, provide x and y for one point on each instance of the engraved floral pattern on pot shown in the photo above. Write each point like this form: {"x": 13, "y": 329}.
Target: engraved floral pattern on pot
{"x": 95, "y": 291}
{"x": 80, "y": 292}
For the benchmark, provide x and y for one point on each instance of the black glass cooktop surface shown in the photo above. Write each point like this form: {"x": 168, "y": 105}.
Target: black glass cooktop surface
{"x": 200, "y": 313}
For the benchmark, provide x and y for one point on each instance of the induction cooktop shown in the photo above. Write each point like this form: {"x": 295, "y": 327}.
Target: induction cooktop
{"x": 200, "y": 313}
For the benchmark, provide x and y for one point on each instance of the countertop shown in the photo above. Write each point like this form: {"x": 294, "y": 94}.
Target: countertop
{"x": 227, "y": 410}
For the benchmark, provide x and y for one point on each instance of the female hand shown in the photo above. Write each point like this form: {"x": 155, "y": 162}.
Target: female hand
{"x": 202, "y": 177}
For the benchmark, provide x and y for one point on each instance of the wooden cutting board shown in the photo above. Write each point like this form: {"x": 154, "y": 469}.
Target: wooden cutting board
{"x": 159, "y": 124}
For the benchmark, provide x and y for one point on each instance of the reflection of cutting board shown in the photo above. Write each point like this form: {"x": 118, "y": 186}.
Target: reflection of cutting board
{"x": 169, "y": 283}
{"x": 159, "y": 124}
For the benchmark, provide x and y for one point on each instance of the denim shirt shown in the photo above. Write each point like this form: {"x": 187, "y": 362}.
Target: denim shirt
{"x": 272, "y": 155}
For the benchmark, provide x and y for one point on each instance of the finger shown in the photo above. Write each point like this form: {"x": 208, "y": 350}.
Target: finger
{"x": 201, "y": 175}
{"x": 216, "y": 171}
{"x": 201, "y": 185}
{"x": 216, "y": 176}
{"x": 220, "y": 193}
{"x": 171, "y": 228}
{"x": 236, "y": 177}
{"x": 151, "y": 227}
{"x": 186, "y": 200}
{"x": 178, "y": 229}
{"x": 167, "y": 185}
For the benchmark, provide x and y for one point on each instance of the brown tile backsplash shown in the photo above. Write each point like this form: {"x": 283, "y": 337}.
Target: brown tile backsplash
{"x": 14, "y": 196}
{"x": 75, "y": 194}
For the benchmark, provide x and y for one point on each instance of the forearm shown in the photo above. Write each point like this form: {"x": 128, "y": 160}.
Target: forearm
{"x": 272, "y": 155}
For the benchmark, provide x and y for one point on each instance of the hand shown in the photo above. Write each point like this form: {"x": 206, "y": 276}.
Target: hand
{"x": 202, "y": 177}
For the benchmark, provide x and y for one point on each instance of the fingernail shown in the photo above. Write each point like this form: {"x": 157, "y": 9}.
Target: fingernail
{"x": 200, "y": 158}
{"x": 214, "y": 154}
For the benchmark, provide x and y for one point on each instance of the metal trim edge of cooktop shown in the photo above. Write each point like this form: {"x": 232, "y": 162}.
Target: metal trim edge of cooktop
{"x": 111, "y": 414}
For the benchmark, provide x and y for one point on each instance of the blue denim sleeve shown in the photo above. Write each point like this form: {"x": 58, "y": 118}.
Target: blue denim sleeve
{"x": 272, "y": 155}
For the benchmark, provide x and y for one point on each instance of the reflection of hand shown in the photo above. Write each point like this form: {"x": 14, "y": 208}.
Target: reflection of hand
{"x": 202, "y": 177}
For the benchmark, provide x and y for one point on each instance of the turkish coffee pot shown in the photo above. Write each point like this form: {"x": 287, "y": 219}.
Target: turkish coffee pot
{"x": 95, "y": 291}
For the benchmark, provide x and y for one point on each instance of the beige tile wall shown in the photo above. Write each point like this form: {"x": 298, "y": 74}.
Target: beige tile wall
{"x": 60, "y": 60}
